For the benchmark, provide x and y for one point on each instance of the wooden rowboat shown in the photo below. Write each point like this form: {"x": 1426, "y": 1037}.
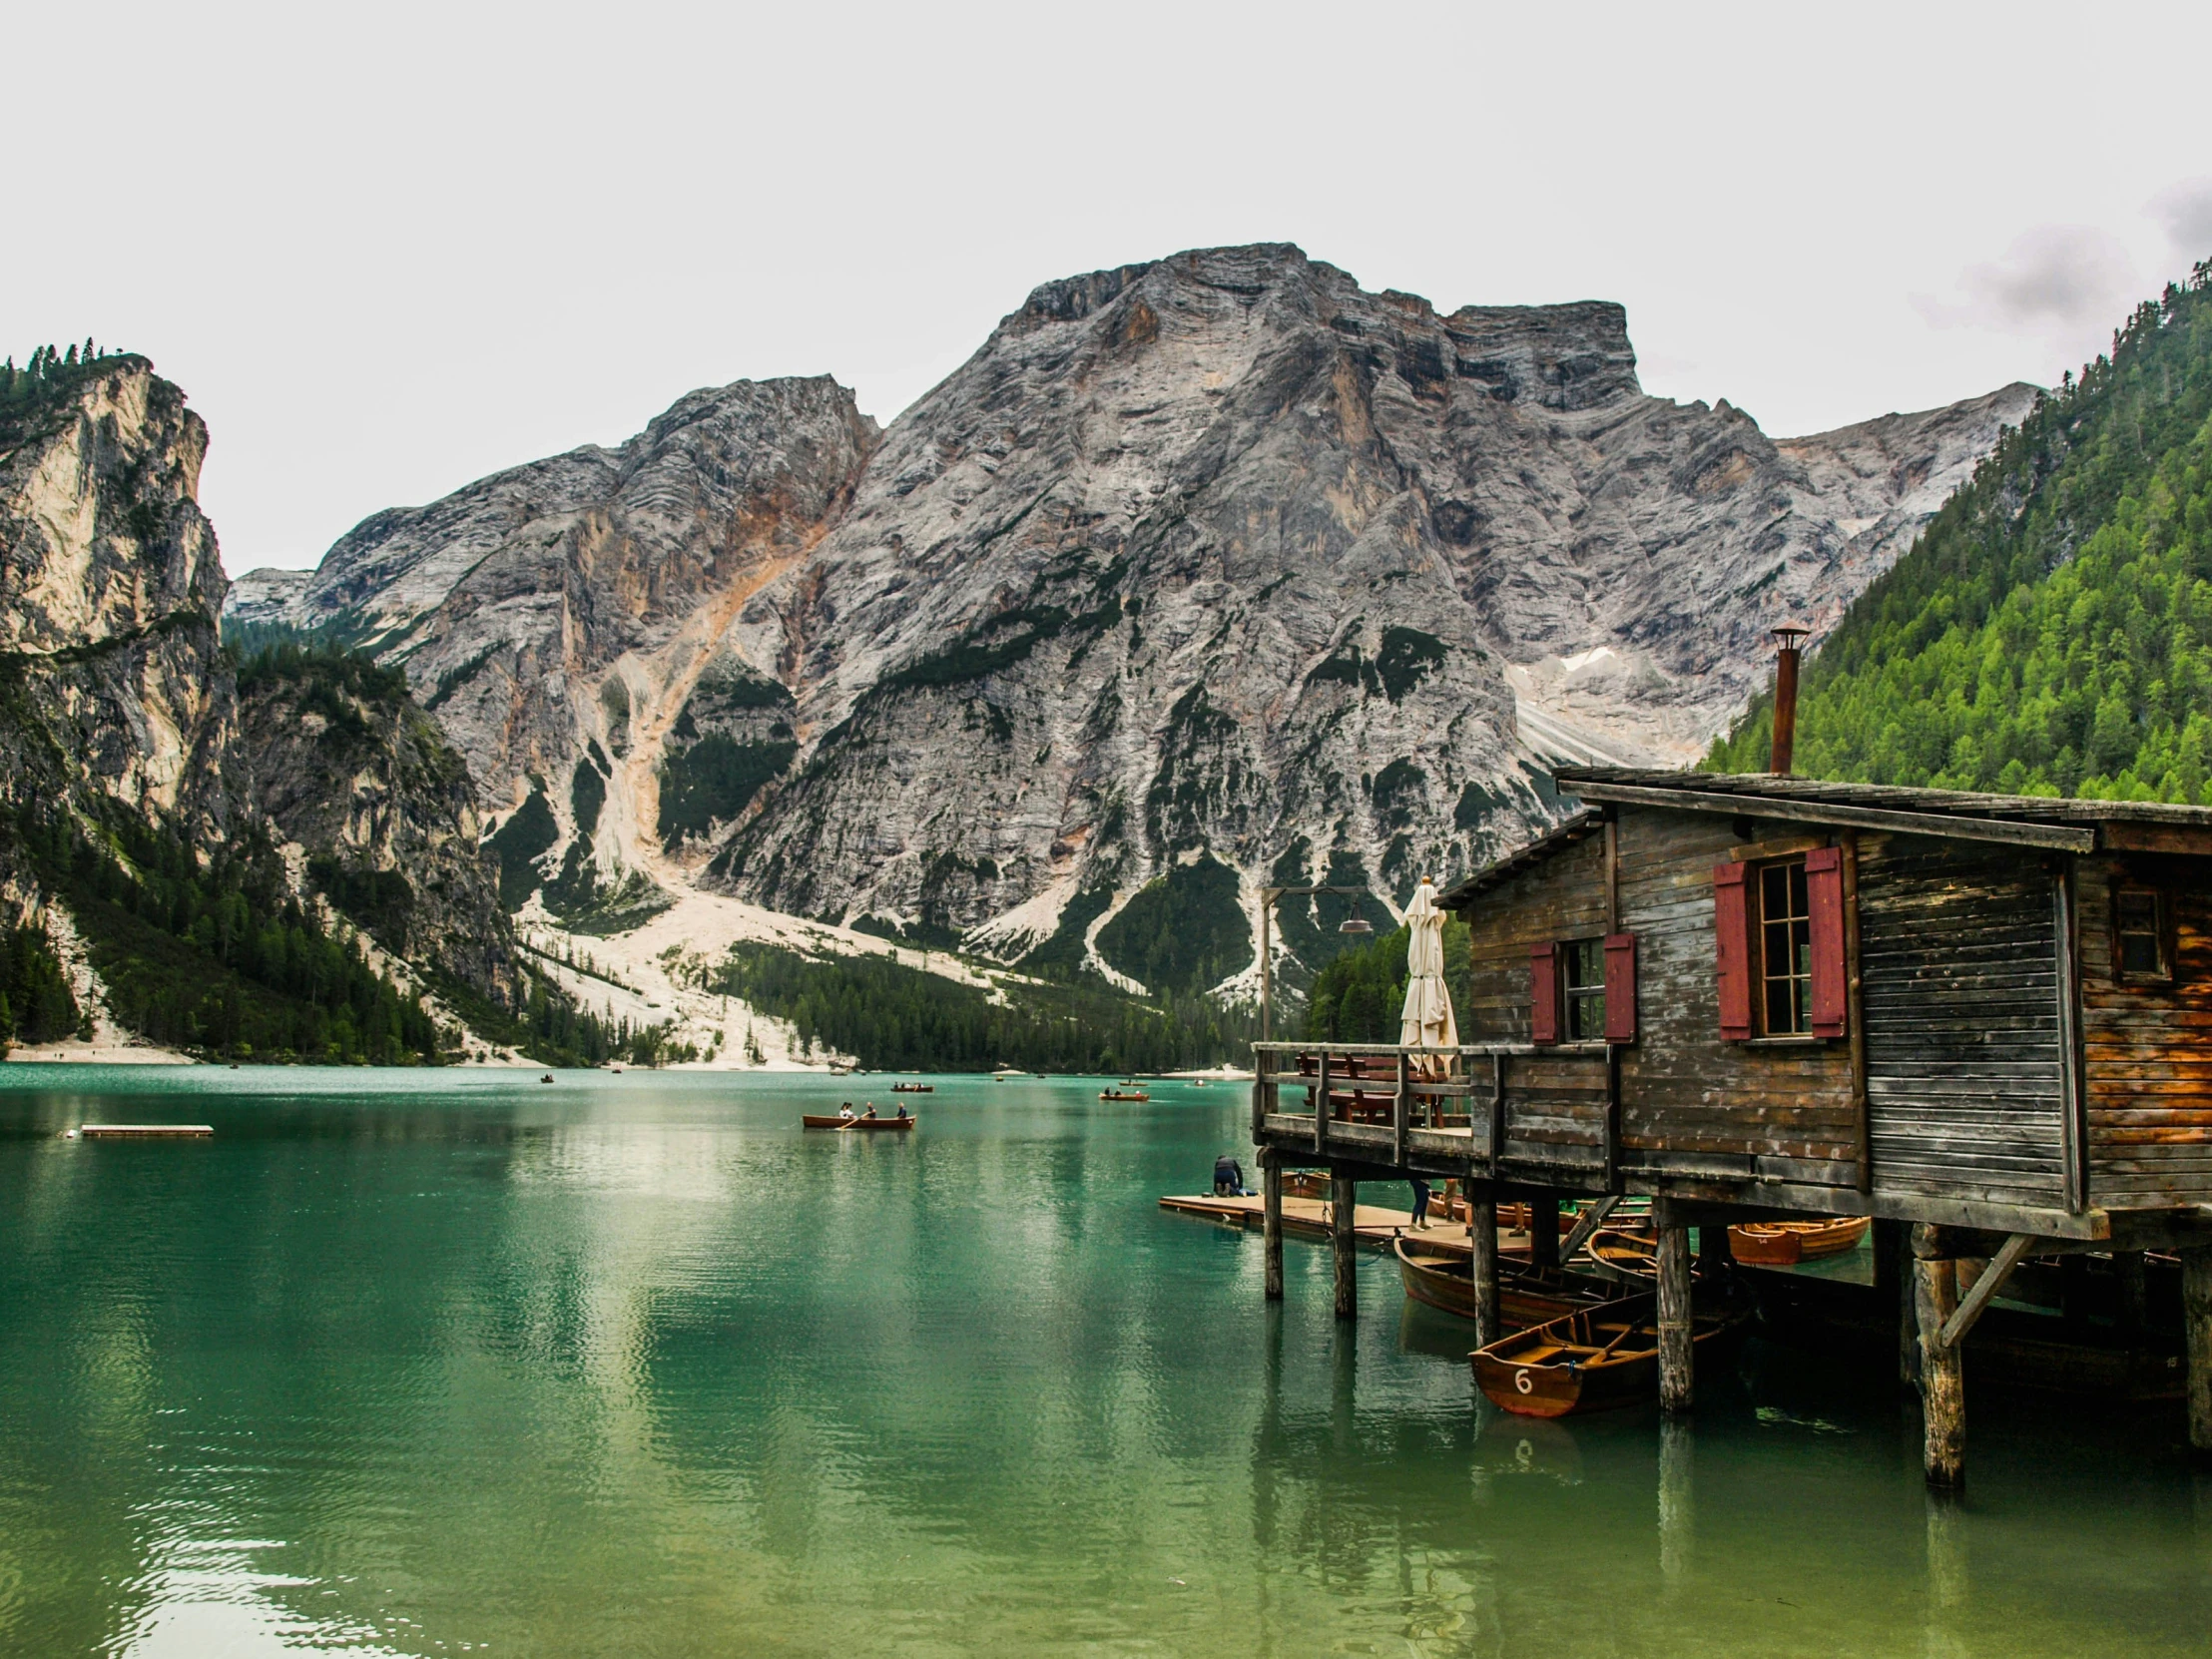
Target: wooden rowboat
{"x": 813, "y": 1122}
{"x": 1598, "y": 1360}
{"x": 914, "y": 1088}
{"x": 1123, "y": 1094}
{"x": 1626, "y": 1251}
{"x": 1785, "y": 1243}
{"x": 1527, "y": 1295}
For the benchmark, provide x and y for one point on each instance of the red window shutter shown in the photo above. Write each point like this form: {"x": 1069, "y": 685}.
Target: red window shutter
{"x": 1544, "y": 981}
{"x": 1824, "y": 891}
{"x": 1620, "y": 987}
{"x": 1732, "y": 950}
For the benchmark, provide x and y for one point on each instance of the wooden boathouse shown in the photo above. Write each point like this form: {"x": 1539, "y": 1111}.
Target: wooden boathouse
{"x": 1984, "y": 1020}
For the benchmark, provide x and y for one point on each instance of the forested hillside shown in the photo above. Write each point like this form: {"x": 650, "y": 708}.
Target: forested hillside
{"x": 2052, "y": 632}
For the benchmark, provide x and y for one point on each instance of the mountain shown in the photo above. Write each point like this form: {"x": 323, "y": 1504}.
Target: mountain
{"x": 1200, "y": 573}
{"x": 2051, "y": 633}
{"x": 276, "y": 862}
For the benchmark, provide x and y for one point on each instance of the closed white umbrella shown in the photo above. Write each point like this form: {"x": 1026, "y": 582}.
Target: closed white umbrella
{"x": 1427, "y": 1021}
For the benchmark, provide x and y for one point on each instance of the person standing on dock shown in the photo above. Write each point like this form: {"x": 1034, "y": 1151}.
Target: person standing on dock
{"x": 1420, "y": 1203}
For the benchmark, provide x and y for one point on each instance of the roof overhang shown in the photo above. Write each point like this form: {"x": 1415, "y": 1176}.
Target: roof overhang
{"x": 1950, "y": 825}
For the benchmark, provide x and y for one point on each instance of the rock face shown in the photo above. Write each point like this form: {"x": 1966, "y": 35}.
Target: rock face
{"x": 1219, "y": 563}
{"x": 109, "y": 591}
{"x": 344, "y": 764}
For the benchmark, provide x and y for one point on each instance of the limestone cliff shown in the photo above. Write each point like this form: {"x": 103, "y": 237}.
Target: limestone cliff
{"x": 111, "y": 587}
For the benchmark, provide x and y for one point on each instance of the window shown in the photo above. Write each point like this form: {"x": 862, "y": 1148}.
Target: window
{"x": 2139, "y": 934}
{"x": 1778, "y": 927}
{"x": 1585, "y": 969}
{"x": 1786, "y": 949}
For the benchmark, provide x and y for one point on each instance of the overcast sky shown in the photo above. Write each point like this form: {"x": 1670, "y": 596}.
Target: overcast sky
{"x": 390, "y": 248}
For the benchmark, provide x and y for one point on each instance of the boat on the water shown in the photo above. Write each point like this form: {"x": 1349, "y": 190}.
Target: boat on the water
{"x": 1527, "y": 1295}
{"x": 1597, "y": 1360}
{"x": 1780, "y": 1244}
{"x": 914, "y": 1088}
{"x": 813, "y": 1122}
{"x": 1123, "y": 1094}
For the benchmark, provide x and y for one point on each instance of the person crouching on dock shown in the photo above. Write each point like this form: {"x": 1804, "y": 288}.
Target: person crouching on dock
{"x": 1228, "y": 1178}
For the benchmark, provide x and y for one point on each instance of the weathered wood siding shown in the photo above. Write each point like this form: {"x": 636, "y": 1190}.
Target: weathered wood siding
{"x": 1691, "y": 1104}
{"x": 1554, "y": 1102}
{"x": 2147, "y": 1048}
{"x": 1959, "y": 949}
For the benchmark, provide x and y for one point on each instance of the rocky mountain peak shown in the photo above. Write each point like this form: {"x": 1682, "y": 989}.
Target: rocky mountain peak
{"x": 1213, "y": 563}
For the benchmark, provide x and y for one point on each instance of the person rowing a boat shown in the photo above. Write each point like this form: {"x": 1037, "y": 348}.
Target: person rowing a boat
{"x": 901, "y": 1110}
{"x": 871, "y": 1112}
{"x": 1228, "y": 1178}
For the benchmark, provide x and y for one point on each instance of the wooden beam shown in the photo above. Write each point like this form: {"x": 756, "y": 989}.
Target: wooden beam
{"x": 2123, "y": 835}
{"x": 2074, "y": 1132}
{"x": 2059, "y": 837}
{"x": 1855, "y": 1012}
{"x": 1482, "y": 1245}
{"x": 1592, "y": 1219}
{"x": 1398, "y": 1104}
{"x": 1985, "y": 1287}
{"x": 1344, "y": 1213}
{"x": 1271, "y": 1223}
{"x": 1321, "y": 1105}
{"x": 2196, "y": 1339}
{"x": 1943, "y": 1378}
{"x": 1676, "y": 1348}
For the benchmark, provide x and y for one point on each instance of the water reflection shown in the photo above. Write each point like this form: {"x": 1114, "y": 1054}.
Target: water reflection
{"x": 633, "y": 1366}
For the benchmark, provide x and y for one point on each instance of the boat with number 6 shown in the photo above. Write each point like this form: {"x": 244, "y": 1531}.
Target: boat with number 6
{"x": 1598, "y": 1360}
{"x": 813, "y": 1122}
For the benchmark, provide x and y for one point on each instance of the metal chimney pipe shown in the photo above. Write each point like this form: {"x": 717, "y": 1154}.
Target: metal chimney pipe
{"x": 1787, "y": 640}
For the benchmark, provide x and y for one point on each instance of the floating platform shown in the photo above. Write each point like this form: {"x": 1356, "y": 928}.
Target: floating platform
{"x": 1373, "y": 1226}
{"x": 145, "y": 1131}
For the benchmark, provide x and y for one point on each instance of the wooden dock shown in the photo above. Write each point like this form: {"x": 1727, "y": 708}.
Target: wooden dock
{"x": 1311, "y": 1218}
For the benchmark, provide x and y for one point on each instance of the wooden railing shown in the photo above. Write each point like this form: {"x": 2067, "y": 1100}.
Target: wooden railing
{"x": 1378, "y": 1098}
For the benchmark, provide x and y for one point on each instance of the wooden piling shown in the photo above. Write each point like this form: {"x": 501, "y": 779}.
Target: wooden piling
{"x": 1543, "y": 1227}
{"x": 1943, "y": 1382}
{"x": 1676, "y": 1503}
{"x": 2196, "y": 1335}
{"x": 1271, "y": 1224}
{"x": 1482, "y": 1242}
{"x": 1675, "y": 1365}
{"x": 1344, "y": 1202}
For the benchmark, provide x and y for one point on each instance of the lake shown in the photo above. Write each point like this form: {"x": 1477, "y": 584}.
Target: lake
{"x": 445, "y": 1363}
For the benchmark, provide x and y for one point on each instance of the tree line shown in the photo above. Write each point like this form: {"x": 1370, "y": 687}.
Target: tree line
{"x": 2051, "y": 633}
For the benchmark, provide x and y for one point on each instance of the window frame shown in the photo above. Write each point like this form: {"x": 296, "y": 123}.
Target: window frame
{"x": 1800, "y": 925}
{"x": 1582, "y": 1005}
{"x": 2161, "y": 931}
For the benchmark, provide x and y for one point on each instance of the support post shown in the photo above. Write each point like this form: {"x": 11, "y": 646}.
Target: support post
{"x": 1398, "y": 1103}
{"x": 1482, "y": 1242}
{"x": 1675, "y": 1365}
{"x": 1344, "y": 1204}
{"x": 1321, "y": 1105}
{"x": 1543, "y": 1227}
{"x": 1713, "y": 1253}
{"x": 1270, "y": 1219}
{"x": 1893, "y": 1245}
{"x": 2196, "y": 1336}
{"x": 1942, "y": 1382}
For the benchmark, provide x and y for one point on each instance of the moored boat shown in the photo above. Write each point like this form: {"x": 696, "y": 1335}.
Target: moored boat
{"x": 811, "y": 1121}
{"x": 1786, "y": 1242}
{"x": 1527, "y": 1295}
{"x": 1597, "y": 1360}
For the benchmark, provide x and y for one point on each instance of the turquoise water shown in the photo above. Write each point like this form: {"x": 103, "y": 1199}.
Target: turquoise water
{"x": 440, "y": 1363}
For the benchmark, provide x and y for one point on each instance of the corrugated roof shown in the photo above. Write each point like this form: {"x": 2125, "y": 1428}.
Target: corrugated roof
{"x": 1764, "y": 785}
{"x": 2020, "y": 819}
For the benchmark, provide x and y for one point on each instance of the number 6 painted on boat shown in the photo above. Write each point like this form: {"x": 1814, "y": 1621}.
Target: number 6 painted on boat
{"x": 1523, "y": 1382}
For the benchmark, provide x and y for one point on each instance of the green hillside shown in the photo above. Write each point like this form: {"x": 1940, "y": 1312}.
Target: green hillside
{"x": 2051, "y": 631}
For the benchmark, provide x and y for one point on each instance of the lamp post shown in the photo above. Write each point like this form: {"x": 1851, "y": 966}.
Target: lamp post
{"x": 1267, "y": 896}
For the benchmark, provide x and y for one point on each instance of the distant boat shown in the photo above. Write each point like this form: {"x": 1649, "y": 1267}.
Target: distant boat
{"x": 914, "y": 1088}
{"x": 1527, "y": 1295}
{"x": 813, "y": 1122}
{"x": 1786, "y": 1242}
{"x": 1123, "y": 1094}
{"x": 547, "y": 1078}
{"x": 1598, "y": 1360}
